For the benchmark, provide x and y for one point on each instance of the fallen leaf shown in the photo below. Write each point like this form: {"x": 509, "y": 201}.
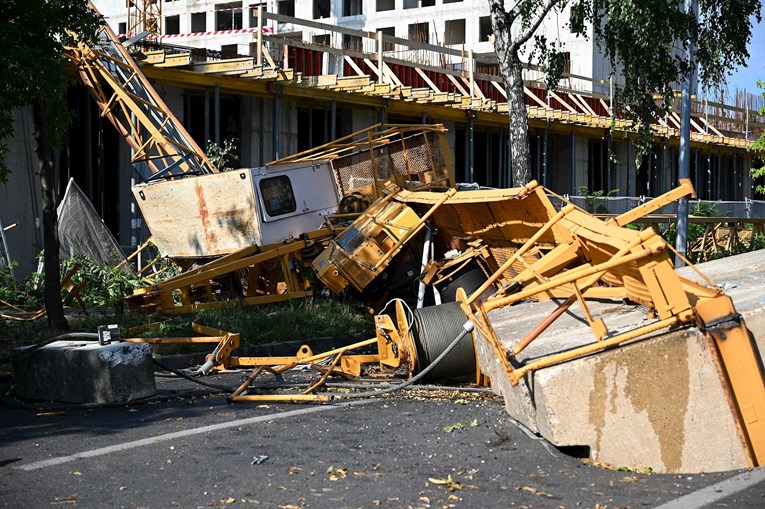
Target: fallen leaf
{"x": 71, "y": 499}
{"x": 461, "y": 425}
{"x": 629, "y": 479}
{"x": 535, "y": 491}
{"x": 229, "y": 500}
{"x": 76, "y": 473}
{"x": 424, "y": 500}
{"x": 168, "y": 461}
{"x": 336, "y": 473}
{"x": 449, "y": 483}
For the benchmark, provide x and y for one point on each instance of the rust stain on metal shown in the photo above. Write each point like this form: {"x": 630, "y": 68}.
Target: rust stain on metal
{"x": 204, "y": 215}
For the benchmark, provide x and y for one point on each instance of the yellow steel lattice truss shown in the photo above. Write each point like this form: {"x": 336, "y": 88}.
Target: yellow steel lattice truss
{"x": 161, "y": 146}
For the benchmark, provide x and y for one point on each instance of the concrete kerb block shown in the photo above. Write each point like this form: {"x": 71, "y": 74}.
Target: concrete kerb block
{"x": 85, "y": 372}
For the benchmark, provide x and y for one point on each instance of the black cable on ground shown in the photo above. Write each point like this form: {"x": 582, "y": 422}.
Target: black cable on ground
{"x": 37, "y": 346}
{"x": 221, "y": 388}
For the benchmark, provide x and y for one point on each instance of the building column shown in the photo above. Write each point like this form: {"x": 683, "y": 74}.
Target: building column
{"x": 277, "y": 122}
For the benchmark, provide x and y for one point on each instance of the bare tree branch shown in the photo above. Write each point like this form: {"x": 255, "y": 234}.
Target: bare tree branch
{"x": 541, "y": 15}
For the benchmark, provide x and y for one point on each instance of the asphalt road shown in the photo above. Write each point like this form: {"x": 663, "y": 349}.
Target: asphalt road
{"x": 409, "y": 450}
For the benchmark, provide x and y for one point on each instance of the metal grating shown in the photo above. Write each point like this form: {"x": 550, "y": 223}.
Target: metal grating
{"x": 419, "y": 157}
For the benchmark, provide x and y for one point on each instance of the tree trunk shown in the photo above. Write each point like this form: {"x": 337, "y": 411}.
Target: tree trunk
{"x": 511, "y": 68}
{"x": 53, "y": 305}
{"x": 519, "y": 121}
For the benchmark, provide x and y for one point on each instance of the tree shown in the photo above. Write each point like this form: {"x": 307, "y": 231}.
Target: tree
{"x": 33, "y": 37}
{"x": 643, "y": 39}
{"x": 759, "y": 147}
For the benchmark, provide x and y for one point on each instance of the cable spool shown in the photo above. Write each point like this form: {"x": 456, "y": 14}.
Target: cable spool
{"x": 434, "y": 328}
{"x": 471, "y": 280}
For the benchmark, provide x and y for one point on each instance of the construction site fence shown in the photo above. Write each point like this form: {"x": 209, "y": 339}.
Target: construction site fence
{"x": 748, "y": 209}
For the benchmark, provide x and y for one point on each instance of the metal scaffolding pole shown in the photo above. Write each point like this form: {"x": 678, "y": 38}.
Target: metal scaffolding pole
{"x": 544, "y": 160}
{"x": 573, "y": 163}
{"x": 277, "y": 122}
{"x": 217, "y": 115}
{"x": 333, "y": 121}
{"x": 470, "y": 134}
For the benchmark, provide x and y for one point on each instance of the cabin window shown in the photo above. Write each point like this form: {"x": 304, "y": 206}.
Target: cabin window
{"x": 277, "y": 194}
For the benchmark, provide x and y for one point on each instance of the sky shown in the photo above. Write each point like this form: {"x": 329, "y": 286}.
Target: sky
{"x": 746, "y": 77}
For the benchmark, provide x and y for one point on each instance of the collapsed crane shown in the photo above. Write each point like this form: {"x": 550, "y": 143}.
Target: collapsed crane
{"x": 522, "y": 248}
{"x": 503, "y": 246}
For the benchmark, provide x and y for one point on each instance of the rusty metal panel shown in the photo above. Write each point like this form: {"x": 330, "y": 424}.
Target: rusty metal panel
{"x": 203, "y": 216}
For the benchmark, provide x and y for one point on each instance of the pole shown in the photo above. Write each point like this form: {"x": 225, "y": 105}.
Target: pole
{"x": 573, "y": 163}
{"x": 216, "y": 118}
{"x": 333, "y": 121}
{"x": 259, "y": 49}
{"x": 684, "y": 163}
{"x": 471, "y": 127}
{"x": 277, "y": 122}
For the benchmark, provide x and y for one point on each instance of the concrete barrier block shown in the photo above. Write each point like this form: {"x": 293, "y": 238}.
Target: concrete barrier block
{"x": 85, "y": 372}
{"x": 655, "y": 403}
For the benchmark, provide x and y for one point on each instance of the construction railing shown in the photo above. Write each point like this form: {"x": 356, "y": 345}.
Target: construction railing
{"x": 472, "y": 80}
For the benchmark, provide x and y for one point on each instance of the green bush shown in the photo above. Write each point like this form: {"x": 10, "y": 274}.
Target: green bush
{"x": 27, "y": 293}
{"x": 595, "y": 202}
{"x": 106, "y": 286}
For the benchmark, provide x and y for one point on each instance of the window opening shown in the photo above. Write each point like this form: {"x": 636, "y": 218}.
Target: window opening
{"x": 198, "y": 22}
{"x": 228, "y": 16}
{"x": 172, "y": 24}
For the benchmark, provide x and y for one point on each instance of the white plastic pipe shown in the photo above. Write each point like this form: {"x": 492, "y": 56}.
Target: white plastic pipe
{"x": 426, "y": 249}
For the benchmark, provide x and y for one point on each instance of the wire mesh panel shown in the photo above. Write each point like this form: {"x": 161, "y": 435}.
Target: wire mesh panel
{"x": 411, "y": 155}
{"x": 418, "y": 157}
{"x": 81, "y": 231}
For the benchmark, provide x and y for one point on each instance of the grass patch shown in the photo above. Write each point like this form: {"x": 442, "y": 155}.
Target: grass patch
{"x": 290, "y": 320}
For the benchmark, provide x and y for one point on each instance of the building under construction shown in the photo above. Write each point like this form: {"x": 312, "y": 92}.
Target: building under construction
{"x": 282, "y": 77}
